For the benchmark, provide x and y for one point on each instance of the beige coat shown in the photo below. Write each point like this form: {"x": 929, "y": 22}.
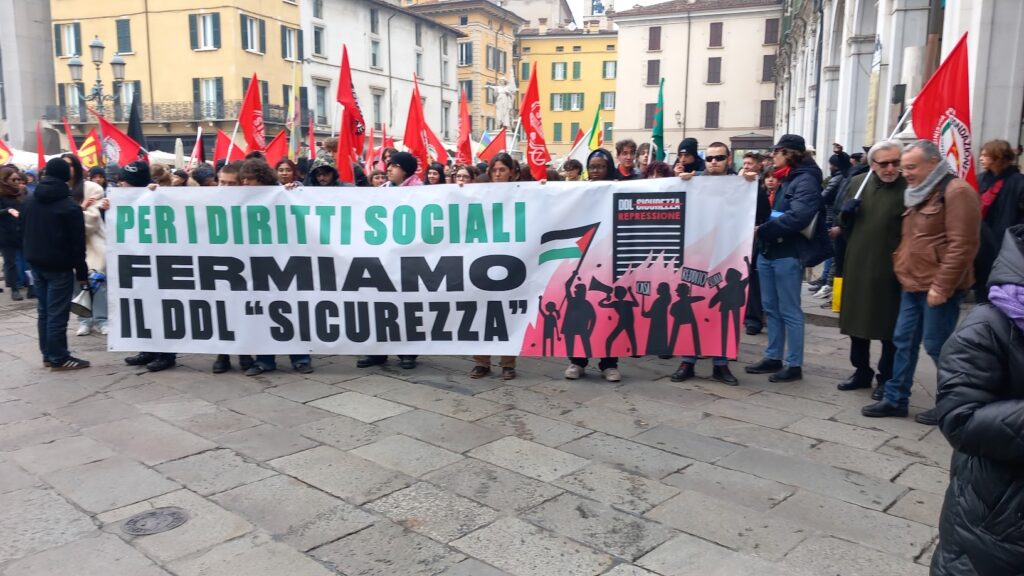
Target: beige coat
{"x": 95, "y": 233}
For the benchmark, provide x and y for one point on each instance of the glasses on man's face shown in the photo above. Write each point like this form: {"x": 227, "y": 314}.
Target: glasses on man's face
{"x": 887, "y": 163}
{"x": 716, "y": 158}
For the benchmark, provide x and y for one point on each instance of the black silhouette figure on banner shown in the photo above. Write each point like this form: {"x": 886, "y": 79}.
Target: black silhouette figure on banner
{"x": 657, "y": 333}
{"x": 579, "y": 319}
{"x": 730, "y": 300}
{"x": 682, "y": 313}
{"x": 550, "y": 315}
{"x": 624, "y": 308}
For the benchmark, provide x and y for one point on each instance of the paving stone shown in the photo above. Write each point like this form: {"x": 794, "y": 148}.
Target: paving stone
{"x": 449, "y": 433}
{"x": 144, "y": 392}
{"x": 599, "y": 526}
{"x": 574, "y": 390}
{"x": 13, "y": 477}
{"x": 341, "y": 432}
{"x": 752, "y": 413}
{"x": 459, "y": 406}
{"x": 827, "y": 555}
{"x": 627, "y": 455}
{"x": 61, "y": 453}
{"x": 731, "y": 486}
{"x": 685, "y": 443}
{"x": 24, "y": 433}
{"x": 789, "y": 403}
{"x": 607, "y": 421}
{"x": 148, "y": 440}
{"x": 904, "y": 427}
{"x": 927, "y": 478}
{"x": 920, "y": 506}
{"x": 303, "y": 390}
{"x": 530, "y": 401}
{"x": 849, "y": 458}
{"x": 108, "y": 484}
{"x": 385, "y": 549}
{"x": 266, "y": 442}
{"x": 52, "y": 394}
{"x": 685, "y": 555}
{"x": 628, "y": 570}
{"x": 426, "y": 509}
{"x": 347, "y": 476}
{"x": 360, "y": 406}
{"x": 644, "y": 408}
{"x": 528, "y": 458}
{"x": 198, "y": 416}
{"x": 666, "y": 392}
{"x": 255, "y": 555}
{"x": 930, "y": 453}
{"x": 17, "y": 410}
{"x": 309, "y": 519}
{"x": 622, "y": 490}
{"x": 99, "y": 555}
{"x": 473, "y": 567}
{"x": 845, "y": 485}
{"x": 751, "y": 434}
{"x": 730, "y": 525}
{"x": 407, "y": 455}
{"x": 373, "y": 385}
{"x": 213, "y": 471}
{"x": 839, "y": 433}
{"x": 496, "y": 487}
{"x": 534, "y": 428}
{"x": 217, "y": 388}
{"x": 525, "y": 550}
{"x": 34, "y": 519}
{"x": 90, "y": 413}
{"x": 207, "y": 526}
{"x": 118, "y": 514}
{"x": 925, "y": 559}
{"x": 850, "y": 522}
{"x": 276, "y": 410}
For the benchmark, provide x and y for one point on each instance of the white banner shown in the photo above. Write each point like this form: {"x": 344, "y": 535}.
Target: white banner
{"x": 564, "y": 268}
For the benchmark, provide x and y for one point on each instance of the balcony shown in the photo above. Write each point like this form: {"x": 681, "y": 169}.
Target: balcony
{"x": 165, "y": 112}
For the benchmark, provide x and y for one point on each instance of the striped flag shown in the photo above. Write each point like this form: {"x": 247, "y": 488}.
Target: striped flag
{"x": 568, "y": 243}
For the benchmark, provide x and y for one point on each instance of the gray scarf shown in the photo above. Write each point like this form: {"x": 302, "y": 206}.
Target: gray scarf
{"x": 913, "y": 196}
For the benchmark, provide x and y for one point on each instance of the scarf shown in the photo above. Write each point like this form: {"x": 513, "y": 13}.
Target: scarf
{"x": 988, "y": 198}
{"x": 913, "y": 196}
{"x": 1009, "y": 299}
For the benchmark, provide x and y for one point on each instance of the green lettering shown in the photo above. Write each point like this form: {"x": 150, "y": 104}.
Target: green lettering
{"x": 476, "y": 224}
{"x": 454, "y": 225}
{"x": 497, "y": 219}
{"x": 520, "y": 221}
{"x": 325, "y": 213}
{"x": 282, "y": 223}
{"x": 346, "y": 225}
{"x": 190, "y": 224}
{"x": 300, "y": 213}
{"x": 258, "y": 218}
{"x": 432, "y": 234}
{"x": 217, "y": 224}
{"x": 145, "y": 237}
{"x": 125, "y": 221}
{"x": 165, "y": 232}
{"x": 378, "y": 232}
{"x": 404, "y": 225}
{"x": 236, "y": 224}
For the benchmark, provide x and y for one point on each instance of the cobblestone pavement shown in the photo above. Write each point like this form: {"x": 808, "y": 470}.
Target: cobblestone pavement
{"x": 407, "y": 473}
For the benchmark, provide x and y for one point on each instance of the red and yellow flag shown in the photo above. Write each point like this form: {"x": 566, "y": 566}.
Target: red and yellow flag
{"x": 5, "y": 153}
{"x": 89, "y": 151}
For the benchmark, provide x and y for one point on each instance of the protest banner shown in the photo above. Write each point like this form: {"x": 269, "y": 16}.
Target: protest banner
{"x": 531, "y": 269}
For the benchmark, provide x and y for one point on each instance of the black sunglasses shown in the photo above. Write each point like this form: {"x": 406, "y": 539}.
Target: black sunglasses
{"x": 888, "y": 163}
{"x": 717, "y": 158}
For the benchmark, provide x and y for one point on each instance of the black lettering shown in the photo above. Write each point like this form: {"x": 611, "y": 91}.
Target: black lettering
{"x": 174, "y": 319}
{"x": 298, "y": 270}
{"x": 468, "y": 310}
{"x": 385, "y": 318}
{"x": 201, "y": 318}
{"x": 326, "y": 330}
{"x": 367, "y": 273}
{"x": 226, "y": 268}
{"x": 328, "y": 275}
{"x": 174, "y": 273}
{"x": 515, "y": 272}
{"x": 416, "y": 268}
{"x": 222, "y": 322}
{"x": 357, "y": 321}
{"x": 303, "y": 320}
{"x": 278, "y": 311}
{"x": 441, "y": 311}
{"x": 494, "y": 322}
{"x": 140, "y": 320}
{"x": 126, "y": 318}
{"x": 131, "y": 267}
{"x": 414, "y": 322}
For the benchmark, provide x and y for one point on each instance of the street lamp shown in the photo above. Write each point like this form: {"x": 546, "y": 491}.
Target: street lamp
{"x": 117, "y": 65}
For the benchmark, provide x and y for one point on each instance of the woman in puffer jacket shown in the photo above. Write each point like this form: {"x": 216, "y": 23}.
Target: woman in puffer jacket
{"x": 981, "y": 409}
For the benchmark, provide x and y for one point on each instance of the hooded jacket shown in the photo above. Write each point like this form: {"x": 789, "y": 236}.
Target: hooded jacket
{"x": 54, "y": 230}
{"x": 10, "y": 227}
{"x": 980, "y": 404}
{"x": 797, "y": 202}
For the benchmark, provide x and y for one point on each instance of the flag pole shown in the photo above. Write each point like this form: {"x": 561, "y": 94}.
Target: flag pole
{"x": 195, "y": 148}
{"x": 231, "y": 145}
{"x": 515, "y": 135}
{"x": 895, "y": 131}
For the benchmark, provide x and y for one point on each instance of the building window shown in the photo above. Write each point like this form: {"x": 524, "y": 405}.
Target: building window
{"x": 767, "y": 114}
{"x": 771, "y": 31}
{"x": 610, "y": 48}
{"x": 491, "y": 124}
{"x": 374, "y": 21}
{"x": 419, "y": 34}
{"x": 715, "y": 70}
{"x": 490, "y": 97}
{"x": 649, "y": 110}
{"x": 444, "y": 45}
{"x": 446, "y": 112}
{"x": 711, "y": 115}
{"x": 291, "y": 44}
{"x": 768, "y": 68}
{"x": 558, "y": 70}
{"x": 576, "y": 70}
{"x": 465, "y": 53}
{"x": 653, "y": 72}
{"x": 318, "y": 9}
{"x": 466, "y": 87}
{"x": 210, "y": 97}
{"x": 254, "y": 35}
{"x": 463, "y": 20}
{"x": 67, "y": 39}
{"x": 559, "y": 48}
{"x": 577, "y": 48}
{"x": 321, "y": 89}
{"x": 715, "y": 34}
{"x": 576, "y": 101}
{"x": 608, "y": 100}
{"x": 496, "y": 59}
{"x": 608, "y": 132}
{"x": 609, "y": 69}
{"x": 204, "y": 31}
{"x": 319, "y": 41}
{"x": 556, "y": 130}
{"x": 525, "y": 72}
{"x": 378, "y": 109}
{"x": 574, "y": 130}
{"x": 654, "y": 38}
{"x": 557, "y": 102}
{"x": 124, "y": 36}
{"x": 419, "y": 65}
{"x": 375, "y": 54}
{"x": 526, "y": 49}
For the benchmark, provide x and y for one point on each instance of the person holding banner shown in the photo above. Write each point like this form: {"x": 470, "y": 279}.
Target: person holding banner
{"x": 625, "y": 151}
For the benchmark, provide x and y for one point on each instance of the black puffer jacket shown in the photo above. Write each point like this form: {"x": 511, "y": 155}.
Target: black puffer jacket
{"x": 54, "y": 230}
{"x": 981, "y": 405}
{"x": 10, "y": 227}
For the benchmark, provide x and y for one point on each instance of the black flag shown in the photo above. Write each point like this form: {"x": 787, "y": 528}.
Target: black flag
{"x": 135, "y": 124}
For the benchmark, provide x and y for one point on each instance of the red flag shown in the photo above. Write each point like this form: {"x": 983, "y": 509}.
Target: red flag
{"x": 71, "y": 138}
{"x": 579, "y": 136}
{"x": 385, "y": 140}
{"x": 251, "y": 117}
{"x": 419, "y": 139}
{"x": 41, "y": 158}
{"x": 343, "y": 158}
{"x": 498, "y": 144}
{"x": 312, "y": 139}
{"x": 464, "y": 147}
{"x": 347, "y": 98}
{"x": 536, "y": 149}
{"x": 942, "y": 112}
{"x": 371, "y": 154}
{"x": 278, "y": 148}
{"x": 5, "y": 153}
{"x": 114, "y": 140}
{"x": 220, "y": 150}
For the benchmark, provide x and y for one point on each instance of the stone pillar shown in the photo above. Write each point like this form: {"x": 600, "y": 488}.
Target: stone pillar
{"x": 854, "y": 77}
{"x": 828, "y": 108}
{"x": 907, "y": 27}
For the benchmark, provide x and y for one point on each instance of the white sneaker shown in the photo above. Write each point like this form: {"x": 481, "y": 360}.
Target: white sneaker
{"x": 573, "y": 372}
{"x": 104, "y": 330}
{"x": 824, "y": 292}
{"x": 611, "y": 374}
{"x": 83, "y": 330}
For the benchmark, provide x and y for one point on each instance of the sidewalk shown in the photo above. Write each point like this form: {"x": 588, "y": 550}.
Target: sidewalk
{"x": 386, "y": 472}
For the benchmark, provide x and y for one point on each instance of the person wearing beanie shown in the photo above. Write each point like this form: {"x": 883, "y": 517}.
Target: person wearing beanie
{"x": 687, "y": 160}
{"x": 54, "y": 229}
{"x": 402, "y": 168}
{"x": 135, "y": 175}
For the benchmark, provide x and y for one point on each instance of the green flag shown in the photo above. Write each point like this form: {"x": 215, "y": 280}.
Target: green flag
{"x": 658, "y": 134}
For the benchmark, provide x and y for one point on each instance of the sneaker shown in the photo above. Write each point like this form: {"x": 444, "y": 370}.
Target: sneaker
{"x": 573, "y": 372}
{"x": 303, "y": 367}
{"x": 255, "y": 370}
{"x": 71, "y": 363}
{"x": 83, "y": 330}
{"x": 814, "y": 285}
{"x": 611, "y": 374}
{"x": 824, "y": 292}
{"x": 104, "y": 330}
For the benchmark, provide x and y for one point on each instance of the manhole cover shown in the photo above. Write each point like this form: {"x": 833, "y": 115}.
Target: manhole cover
{"x": 154, "y": 521}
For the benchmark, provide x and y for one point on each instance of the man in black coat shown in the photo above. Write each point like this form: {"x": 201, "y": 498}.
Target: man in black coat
{"x": 54, "y": 244}
{"x": 980, "y": 407}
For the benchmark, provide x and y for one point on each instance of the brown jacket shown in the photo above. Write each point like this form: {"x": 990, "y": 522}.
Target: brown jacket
{"x": 940, "y": 239}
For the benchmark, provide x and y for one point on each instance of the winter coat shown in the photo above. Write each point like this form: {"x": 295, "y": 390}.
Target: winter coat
{"x": 1006, "y": 211}
{"x": 10, "y": 227}
{"x": 871, "y": 292}
{"x": 980, "y": 404}
{"x": 54, "y": 230}
{"x": 95, "y": 232}
{"x": 798, "y": 201}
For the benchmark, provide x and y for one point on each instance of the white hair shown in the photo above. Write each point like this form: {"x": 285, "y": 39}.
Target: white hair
{"x": 884, "y": 145}
{"x": 927, "y": 147}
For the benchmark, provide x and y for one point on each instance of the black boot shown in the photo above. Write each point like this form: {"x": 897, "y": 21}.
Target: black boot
{"x": 245, "y": 361}
{"x": 859, "y": 379}
{"x": 30, "y": 292}
{"x": 883, "y": 409}
{"x": 765, "y": 366}
{"x": 724, "y": 375}
{"x": 222, "y": 364}
{"x": 683, "y": 373}
{"x": 140, "y": 359}
{"x": 878, "y": 393}
{"x": 407, "y": 362}
{"x": 163, "y": 362}
{"x": 787, "y": 374}
{"x": 367, "y": 361}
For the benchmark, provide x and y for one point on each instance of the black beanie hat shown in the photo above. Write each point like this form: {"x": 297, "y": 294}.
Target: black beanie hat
{"x": 59, "y": 169}
{"x": 407, "y": 162}
{"x": 792, "y": 142}
{"x": 136, "y": 174}
{"x": 688, "y": 146}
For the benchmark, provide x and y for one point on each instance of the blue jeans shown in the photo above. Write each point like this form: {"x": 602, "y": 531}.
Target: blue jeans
{"x": 780, "y": 296}
{"x": 918, "y": 322}
{"x": 269, "y": 361}
{"x": 99, "y": 307}
{"x": 54, "y": 291}
{"x": 715, "y": 360}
